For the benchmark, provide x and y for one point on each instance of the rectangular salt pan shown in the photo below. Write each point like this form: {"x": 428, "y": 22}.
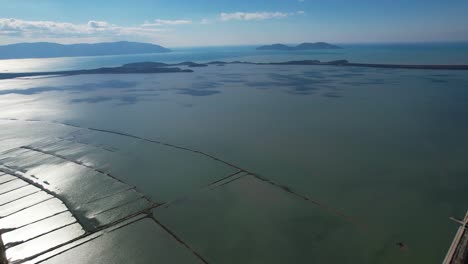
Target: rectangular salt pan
{"x": 32, "y": 214}
{"x": 38, "y": 228}
{"x": 23, "y": 203}
{"x": 6, "y": 178}
{"x": 43, "y": 243}
{"x": 140, "y": 242}
{"x": 12, "y": 185}
{"x": 17, "y": 194}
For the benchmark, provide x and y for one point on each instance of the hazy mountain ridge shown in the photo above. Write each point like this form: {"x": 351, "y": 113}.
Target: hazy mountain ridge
{"x": 53, "y": 50}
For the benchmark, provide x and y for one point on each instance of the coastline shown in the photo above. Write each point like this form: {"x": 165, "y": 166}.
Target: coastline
{"x": 157, "y": 67}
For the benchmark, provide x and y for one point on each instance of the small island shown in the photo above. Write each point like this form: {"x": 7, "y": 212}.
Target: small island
{"x": 302, "y": 46}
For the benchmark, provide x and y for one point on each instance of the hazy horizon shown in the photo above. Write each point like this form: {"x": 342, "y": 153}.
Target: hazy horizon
{"x": 221, "y": 23}
{"x": 258, "y": 44}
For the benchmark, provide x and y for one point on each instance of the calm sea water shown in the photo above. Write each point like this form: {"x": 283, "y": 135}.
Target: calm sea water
{"x": 387, "y": 147}
{"x": 442, "y": 53}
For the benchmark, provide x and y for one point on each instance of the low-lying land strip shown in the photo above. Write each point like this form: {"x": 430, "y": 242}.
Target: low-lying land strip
{"x": 158, "y": 67}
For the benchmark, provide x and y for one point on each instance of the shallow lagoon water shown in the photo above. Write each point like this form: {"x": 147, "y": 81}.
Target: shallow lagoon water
{"x": 387, "y": 147}
{"x": 412, "y": 53}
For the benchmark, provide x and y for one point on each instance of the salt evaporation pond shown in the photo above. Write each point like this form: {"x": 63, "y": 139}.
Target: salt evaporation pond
{"x": 234, "y": 164}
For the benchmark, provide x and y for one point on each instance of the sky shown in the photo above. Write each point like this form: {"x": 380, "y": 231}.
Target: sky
{"x": 176, "y": 23}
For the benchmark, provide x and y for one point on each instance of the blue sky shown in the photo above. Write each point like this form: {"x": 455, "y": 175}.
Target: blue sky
{"x": 235, "y": 22}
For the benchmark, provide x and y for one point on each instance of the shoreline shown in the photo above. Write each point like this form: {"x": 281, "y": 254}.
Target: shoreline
{"x": 158, "y": 67}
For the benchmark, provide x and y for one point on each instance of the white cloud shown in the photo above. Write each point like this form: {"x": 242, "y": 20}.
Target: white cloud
{"x": 300, "y": 12}
{"x": 17, "y": 27}
{"x": 50, "y": 29}
{"x": 162, "y": 22}
{"x": 252, "y": 16}
{"x": 98, "y": 24}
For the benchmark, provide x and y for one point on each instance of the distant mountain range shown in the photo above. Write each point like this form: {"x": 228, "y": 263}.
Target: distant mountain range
{"x": 51, "y": 50}
{"x": 303, "y": 46}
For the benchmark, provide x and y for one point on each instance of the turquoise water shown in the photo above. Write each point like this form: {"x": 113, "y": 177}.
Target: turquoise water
{"x": 385, "y": 148}
{"x": 442, "y": 53}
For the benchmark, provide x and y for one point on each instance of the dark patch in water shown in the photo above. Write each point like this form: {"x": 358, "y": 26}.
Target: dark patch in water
{"x": 232, "y": 81}
{"x": 194, "y": 92}
{"x": 441, "y": 75}
{"x": 297, "y": 83}
{"x": 436, "y": 80}
{"x": 402, "y": 246}
{"x": 139, "y": 90}
{"x": 332, "y": 95}
{"x": 261, "y": 85}
{"x": 205, "y": 85}
{"x": 366, "y": 82}
{"x": 91, "y": 100}
{"x": 294, "y": 83}
{"x": 123, "y": 99}
{"x": 112, "y": 84}
{"x": 345, "y": 75}
{"x": 200, "y": 89}
{"x": 300, "y": 92}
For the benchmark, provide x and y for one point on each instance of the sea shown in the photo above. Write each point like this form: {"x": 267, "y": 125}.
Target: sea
{"x": 412, "y": 53}
{"x": 341, "y": 164}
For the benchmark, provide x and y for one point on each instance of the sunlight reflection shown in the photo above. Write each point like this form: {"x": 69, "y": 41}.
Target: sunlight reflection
{"x": 33, "y": 65}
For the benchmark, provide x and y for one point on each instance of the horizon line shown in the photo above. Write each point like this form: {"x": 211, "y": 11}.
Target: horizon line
{"x": 258, "y": 44}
